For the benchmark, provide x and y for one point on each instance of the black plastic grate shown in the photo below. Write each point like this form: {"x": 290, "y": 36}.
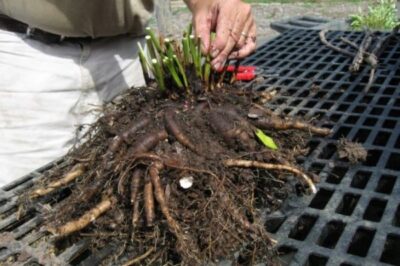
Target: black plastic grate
{"x": 19, "y": 235}
{"x": 302, "y": 22}
{"x": 354, "y": 219}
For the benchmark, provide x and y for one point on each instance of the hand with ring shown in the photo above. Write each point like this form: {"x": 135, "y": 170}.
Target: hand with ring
{"x": 233, "y": 23}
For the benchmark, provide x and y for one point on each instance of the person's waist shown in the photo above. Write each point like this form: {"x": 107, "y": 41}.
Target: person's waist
{"x": 13, "y": 25}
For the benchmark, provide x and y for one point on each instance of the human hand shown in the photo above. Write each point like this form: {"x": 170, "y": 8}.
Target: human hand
{"x": 233, "y": 23}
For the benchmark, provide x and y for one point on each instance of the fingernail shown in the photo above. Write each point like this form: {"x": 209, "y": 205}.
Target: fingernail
{"x": 214, "y": 52}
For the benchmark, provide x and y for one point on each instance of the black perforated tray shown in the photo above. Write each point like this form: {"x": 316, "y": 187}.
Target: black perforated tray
{"x": 300, "y": 23}
{"x": 354, "y": 219}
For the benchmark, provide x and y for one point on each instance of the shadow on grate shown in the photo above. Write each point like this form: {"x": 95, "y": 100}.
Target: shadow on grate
{"x": 354, "y": 218}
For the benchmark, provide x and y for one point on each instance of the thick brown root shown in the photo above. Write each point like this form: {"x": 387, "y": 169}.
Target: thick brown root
{"x": 75, "y": 172}
{"x": 229, "y": 131}
{"x": 247, "y": 141}
{"x": 168, "y": 160}
{"x": 263, "y": 109}
{"x": 223, "y": 127}
{"x": 193, "y": 223}
{"x": 361, "y": 53}
{"x": 183, "y": 240}
{"x": 365, "y": 54}
{"x": 369, "y": 58}
{"x": 135, "y": 127}
{"x": 154, "y": 173}
{"x": 275, "y": 122}
{"x": 84, "y": 220}
{"x": 268, "y": 166}
{"x": 148, "y": 141}
{"x": 173, "y": 128}
{"x": 245, "y": 128}
{"x": 149, "y": 202}
{"x": 135, "y": 185}
{"x": 126, "y": 135}
{"x": 323, "y": 39}
{"x": 235, "y": 116}
{"x": 114, "y": 146}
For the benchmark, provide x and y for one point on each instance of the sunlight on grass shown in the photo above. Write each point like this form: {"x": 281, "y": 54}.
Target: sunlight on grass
{"x": 382, "y": 16}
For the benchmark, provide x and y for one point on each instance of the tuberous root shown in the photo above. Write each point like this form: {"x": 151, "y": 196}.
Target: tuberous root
{"x": 269, "y": 166}
{"x": 275, "y": 122}
{"x": 75, "y": 172}
{"x": 84, "y": 220}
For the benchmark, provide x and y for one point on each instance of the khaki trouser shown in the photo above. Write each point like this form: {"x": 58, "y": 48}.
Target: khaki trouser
{"x": 46, "y": 91}
{"x": 81, "y": 18}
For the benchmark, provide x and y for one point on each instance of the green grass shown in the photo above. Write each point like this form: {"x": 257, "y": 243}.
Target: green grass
{"x": 381, "y": 16}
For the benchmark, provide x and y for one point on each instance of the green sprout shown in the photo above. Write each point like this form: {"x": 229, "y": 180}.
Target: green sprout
{"x": 207, "y": 70}
{"x": 195, "y": 55}
{"x": 154, "y": 39}
{"x": 143, "y": 60}
{"x": 186, "y": 52}
{"x": 170, "y": 65}
{"x": 158, "y": 74}
{"x": 170, "y": 62}
{"x": 150, "y": 47}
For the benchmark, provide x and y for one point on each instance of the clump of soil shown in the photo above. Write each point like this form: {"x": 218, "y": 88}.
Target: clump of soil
{"x": 177, "y": 179}
{"x": 352, "y": 151}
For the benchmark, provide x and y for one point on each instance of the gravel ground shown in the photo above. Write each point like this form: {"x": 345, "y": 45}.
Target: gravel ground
{"x": 267, "y": 13}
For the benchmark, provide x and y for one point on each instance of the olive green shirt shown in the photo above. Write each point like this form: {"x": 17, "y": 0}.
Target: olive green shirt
{"x": 81, "y": 18}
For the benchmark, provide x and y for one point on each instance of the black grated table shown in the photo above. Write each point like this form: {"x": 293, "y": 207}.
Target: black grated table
{"x": 354, "y": 219}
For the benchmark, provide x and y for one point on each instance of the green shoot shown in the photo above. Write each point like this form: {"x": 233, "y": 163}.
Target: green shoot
{"x": 154, "y": 39}
{"x": 168, "y": 48}
{"x": 182, "y": 72}
{"x": 150, "y": 47}
{"x": 186, "y": 52}
{"x": 170, "y": 65}
{"x": 189, "y": 29}
{"x": 158, "y": 73}
{"x": 174, "y": 60}
{"x": 207, "y": 70}
{"x": 170, "y": 62}
{"x": 193, "y": 51}
{"x": 207, "y": 65}
{"x": 266, "y": 140}
{"x": 143, "y": 61}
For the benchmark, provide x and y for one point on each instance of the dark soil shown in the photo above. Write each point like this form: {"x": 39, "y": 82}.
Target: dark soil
{"x": 219, "y": 217}
{"x": 352, "y": 151}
